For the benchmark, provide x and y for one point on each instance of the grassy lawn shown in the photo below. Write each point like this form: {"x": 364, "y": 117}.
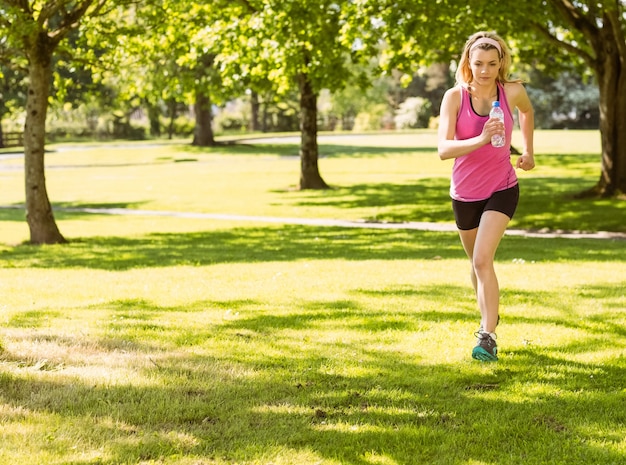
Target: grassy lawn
{"x": 164, "y": 340}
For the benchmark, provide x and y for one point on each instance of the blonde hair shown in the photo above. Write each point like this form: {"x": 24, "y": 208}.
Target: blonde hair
{"x": 464, "y": 73}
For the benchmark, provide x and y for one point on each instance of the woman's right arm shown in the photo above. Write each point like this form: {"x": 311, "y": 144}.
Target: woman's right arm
{"x": 448, "y": 147}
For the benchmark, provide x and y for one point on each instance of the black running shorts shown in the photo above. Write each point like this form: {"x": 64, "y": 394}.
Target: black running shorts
{"x": 467, "y": 214}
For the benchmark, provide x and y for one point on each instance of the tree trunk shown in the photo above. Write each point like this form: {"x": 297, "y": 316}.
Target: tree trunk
{"x": 611, "y": 74}
{"x": 172, "y": 106}
{"x": 39, "y": 216}
{"x": 154, "y": 117}
{"x": 610, "y": 70}
{"x": 203, "y": 133}
{"x": 254, "y": 108}
{"x": 264, "y": 117}
{"x": 309, "y": 172}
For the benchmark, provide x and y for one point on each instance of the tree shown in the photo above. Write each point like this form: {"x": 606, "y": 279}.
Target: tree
{"x": 179, "y": 62}
{"x": 291, "y": 43}
{"x": 191, "y": 53}
{"x": 595, "y": 32}
{"x": 35, "y": 29}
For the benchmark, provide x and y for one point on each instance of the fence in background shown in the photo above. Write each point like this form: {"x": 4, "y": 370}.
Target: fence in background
{"x": 12, "y": 139}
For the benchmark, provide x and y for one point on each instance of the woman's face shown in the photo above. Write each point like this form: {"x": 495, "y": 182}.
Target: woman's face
{"x": 485, "y": 65}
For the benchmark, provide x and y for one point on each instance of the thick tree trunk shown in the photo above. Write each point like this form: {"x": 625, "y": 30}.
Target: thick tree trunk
{"x": 610, "y": 70}
{"x": 39, "y": 216}
{"x": 612, "y": 83}
{"x": 203, "y": 133}
{"x": 310, "y": 177}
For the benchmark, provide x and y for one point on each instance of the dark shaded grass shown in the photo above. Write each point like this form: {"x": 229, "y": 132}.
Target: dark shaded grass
{"x": 289, "y": 243}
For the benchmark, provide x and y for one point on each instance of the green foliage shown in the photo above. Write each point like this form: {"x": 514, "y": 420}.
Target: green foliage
{"x": 140, "y": 56}
{"x": 373, "y": 118}
{"x": 565, "y": 102}
{"x": 414, "y": 32}
{"x": 423, "y": 32}
{"x": 275, "y": 41}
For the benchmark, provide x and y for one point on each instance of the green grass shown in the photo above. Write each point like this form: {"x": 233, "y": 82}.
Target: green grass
{"x": 161, "y": 340}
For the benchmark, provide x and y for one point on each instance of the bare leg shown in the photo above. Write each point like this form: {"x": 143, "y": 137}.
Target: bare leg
{"x": 480, "y": 245}
{"x": 468, "y": 239}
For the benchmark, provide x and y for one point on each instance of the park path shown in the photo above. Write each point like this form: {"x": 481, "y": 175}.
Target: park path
{"x": 414, "y": 225}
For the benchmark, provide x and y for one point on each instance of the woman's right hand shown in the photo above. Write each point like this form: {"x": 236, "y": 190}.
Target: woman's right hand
{"x": 492, "y": 127}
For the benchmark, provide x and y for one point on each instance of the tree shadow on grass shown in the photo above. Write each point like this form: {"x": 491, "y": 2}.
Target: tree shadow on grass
{"x": 238, "y": 245}
{"x": 355, "y": 151}
{"x": 584, "y": 163}
{"x": 32, "y": 318}
{"x": 292, "y": 150}
{"x": 80, "y": 210}
{"x": 423, "y": 200}
{"x": 545, "y": 203}
{"x": 67, "y": 210}
{"x": 550, "y": 203}
{"x": 289, "y": 243}
{"x": 13, "y": 213}
{"x": 291, "y": 394}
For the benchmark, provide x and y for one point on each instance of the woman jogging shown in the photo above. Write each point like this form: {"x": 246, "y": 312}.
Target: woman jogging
{"x": 484, "y": 186}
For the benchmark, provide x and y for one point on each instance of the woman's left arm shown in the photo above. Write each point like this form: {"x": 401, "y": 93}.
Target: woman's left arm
{"x": 519, "y": 99}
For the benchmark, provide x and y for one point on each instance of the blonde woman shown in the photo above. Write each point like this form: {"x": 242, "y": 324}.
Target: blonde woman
{"x": 484, "y": 186}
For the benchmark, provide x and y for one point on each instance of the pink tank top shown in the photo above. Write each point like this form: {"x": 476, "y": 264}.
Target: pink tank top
{"x": 477, "y": 175}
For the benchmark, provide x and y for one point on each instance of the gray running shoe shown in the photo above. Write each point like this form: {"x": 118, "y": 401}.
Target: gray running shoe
{"x": 486, "y": 349}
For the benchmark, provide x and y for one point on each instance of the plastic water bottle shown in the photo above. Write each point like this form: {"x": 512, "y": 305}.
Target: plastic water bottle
{"x": 497, "y": 140}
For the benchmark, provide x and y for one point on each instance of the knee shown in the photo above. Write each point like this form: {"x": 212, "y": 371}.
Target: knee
{"x": 482, "y": 264}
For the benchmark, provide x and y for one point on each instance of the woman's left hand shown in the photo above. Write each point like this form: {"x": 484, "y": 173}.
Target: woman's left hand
{"x": 526, "y": 162}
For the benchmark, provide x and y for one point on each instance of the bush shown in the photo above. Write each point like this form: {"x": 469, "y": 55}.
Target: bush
{"x": 234, "y": 116}
{"x": 376, "y": 117}
{"x": 414, "y": 112}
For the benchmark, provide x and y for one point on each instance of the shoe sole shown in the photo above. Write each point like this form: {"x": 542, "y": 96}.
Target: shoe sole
{"x": 481, "y": 354}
